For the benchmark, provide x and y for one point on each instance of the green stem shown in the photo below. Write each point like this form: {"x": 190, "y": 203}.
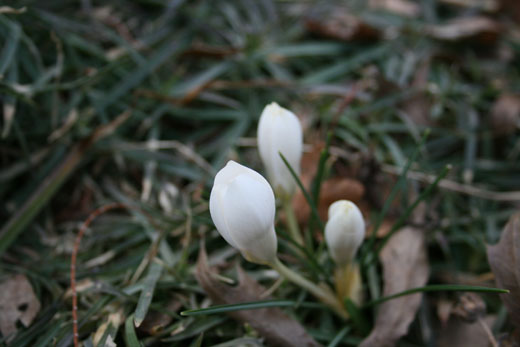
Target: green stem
{"x": 323, "y": 293}
{"x": 292, "y": 223}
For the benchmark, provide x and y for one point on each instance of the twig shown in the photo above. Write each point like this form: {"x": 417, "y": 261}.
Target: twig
{"x": 74, "y": 255}
{"x": 455, "y": 186}
{"x": 151, "y": 254}
{"x": 489, "y": 334}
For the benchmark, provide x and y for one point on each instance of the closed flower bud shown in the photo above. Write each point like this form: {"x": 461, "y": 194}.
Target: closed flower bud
{"x": 344, "y": 231}
{"x": 279, "y": 130}
{"x": 242, "y": 207}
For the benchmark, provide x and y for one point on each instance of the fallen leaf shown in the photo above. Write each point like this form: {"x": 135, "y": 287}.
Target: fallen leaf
{"x": 272, "y": 323}
{"x": 17, "y": 303}
{"x": 469, "y": 307}
{"x": 480, "y": 29}
{"x": 405, "y": 266}
{"x": 156, "y": 321}
{"x": 458, "y": 332}
{"x": 338, "y": 23}
{"x": 505, "y": 114}
{"x": 333, "y": 189}
{"x": 511, "y": 7}
{"x": 401, "y": 7}
{"x": 504, "y": 259}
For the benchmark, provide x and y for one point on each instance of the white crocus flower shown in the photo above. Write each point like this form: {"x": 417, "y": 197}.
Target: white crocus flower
{"x": 242, "y": 206}
{"x": 279, "y": 130}
{"x": 344, "y": 231}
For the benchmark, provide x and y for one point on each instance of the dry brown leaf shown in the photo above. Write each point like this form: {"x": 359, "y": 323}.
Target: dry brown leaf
{"x": 511, "y": 7}
{"x": 405, "y": 266}
{"x": 469, "y": 307}
{"x": 458, "y": 332}
{"x": 156, "y": 321}
{"x": 272, "y": 323}
{"x": 309, "y": 163}
{"x": 338, "y": 23}
{"x": 17, "y": 303}
{"x": 505, "y": 114}
{"x": 481, "y": 29}
{"x": 333, "y": 189}
{"x": 401, "y": 7}
{"x": 504, "y": 259}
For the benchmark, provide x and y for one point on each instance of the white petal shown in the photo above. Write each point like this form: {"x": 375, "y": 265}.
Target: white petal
{"x": 249, "y": 209}
{"x": 217, "y": 212}
{"x": 344, "y": 231}
{"x": 230, "y": 171}
{"x": 264, "y": 248}
{"x": 242, "y": 206}
{"x": 279, "y": 130}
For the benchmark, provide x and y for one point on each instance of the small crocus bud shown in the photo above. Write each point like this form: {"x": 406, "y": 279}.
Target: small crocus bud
{"x": 344, "y": 231}
{"x": 242, "y": 207}
{"x": 279, "y": 131}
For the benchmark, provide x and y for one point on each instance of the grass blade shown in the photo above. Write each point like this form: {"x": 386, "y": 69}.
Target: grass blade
{"x": 166, "y": 52}
{"x": 316, "y": 184}
{"x": 130, "y": 335}
{"x": 306, "y": 194}
{"x": 340, "y": 335}
{"x": 17, "y": 223}
{"x": 239, "y": 307}
{"x": 357, "y": 318}
{"x": 411, "y": 208}
{"x": 397, "y": 187}
{"x": 154, "y": 272}
{"x": 10, "y": 45}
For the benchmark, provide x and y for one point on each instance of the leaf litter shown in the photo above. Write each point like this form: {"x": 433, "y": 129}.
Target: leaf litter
{"x": 405, "y": 266}
{"x": 18, "y": 303}
{"x": 271, "y": 323}
{"x": 504, "y": 259}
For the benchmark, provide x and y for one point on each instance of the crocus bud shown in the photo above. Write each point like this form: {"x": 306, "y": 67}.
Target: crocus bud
{"x": 344, "y": 231}
{"x": 242, "y": 207}
{"x": 279, "y": 130}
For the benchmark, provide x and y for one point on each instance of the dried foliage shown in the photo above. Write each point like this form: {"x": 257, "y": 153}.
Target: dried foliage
{"x": 504, "y": 259}
{"x": 271, "y": 323}
{"x": 405, "y": 266}
{"x": 18, "y": 303}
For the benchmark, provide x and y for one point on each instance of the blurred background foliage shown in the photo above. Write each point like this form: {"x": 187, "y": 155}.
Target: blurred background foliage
{"x": 185, "y": 83}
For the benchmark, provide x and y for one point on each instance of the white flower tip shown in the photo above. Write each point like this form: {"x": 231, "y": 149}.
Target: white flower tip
{"x": 280, "y": 131}
{"x": 229, "y": 172}
{"x": 242, "y": 207}
{"x": 344, "y": 231}
{"x": 341, "y": 206}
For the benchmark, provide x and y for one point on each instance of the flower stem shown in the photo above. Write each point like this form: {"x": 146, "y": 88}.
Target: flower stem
{"x": 323, "y": 293}
{"x": 347, "y": 280}
{"x": 292, "y": 223}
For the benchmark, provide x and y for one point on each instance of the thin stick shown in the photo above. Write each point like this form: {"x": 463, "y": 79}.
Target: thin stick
{"x": 488, "y": 332}
{"x": 455, "y": 186}
{"x": 74, "y": 255}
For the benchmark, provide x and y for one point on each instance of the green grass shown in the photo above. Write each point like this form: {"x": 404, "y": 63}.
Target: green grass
{"x": 195, "y": 75}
